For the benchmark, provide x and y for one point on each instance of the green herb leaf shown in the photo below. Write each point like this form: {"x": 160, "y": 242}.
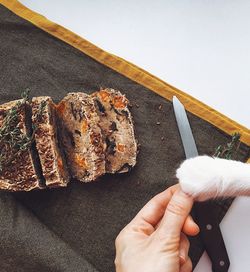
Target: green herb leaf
{"x": 229, "y": 150}
{"x": 12, "y": 140}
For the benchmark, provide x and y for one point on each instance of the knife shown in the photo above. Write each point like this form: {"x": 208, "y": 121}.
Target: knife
{"x": 205, "y": 212}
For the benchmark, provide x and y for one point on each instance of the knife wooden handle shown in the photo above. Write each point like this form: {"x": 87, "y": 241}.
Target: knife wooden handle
{"x": 210, "y": 233}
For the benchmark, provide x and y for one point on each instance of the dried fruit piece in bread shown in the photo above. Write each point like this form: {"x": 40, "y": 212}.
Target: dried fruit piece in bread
{"x": 117, "y": 127}
{"x": 81, "y": 136}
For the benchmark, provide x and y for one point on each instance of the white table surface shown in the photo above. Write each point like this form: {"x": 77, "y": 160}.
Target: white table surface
{"x": 200, "y": 47}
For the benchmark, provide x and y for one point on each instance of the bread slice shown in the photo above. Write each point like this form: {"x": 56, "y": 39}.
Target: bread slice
{"x": 117, "y": 127}
{"x": 23, "y": 172}
{"x": 81, "y": 136}
{"x": 51, "y": 156}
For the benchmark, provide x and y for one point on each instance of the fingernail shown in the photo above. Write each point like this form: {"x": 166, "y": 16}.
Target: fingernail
{"x": 182, "y": 257}
{"x": 183, "y": 194}
{"x": 197, "y": 229}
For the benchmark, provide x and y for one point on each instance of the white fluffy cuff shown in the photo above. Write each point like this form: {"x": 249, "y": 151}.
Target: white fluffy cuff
{"x": 206, "y": 177}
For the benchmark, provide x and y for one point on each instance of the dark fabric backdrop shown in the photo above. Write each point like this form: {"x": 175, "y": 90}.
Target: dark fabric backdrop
{"x": 73, "y": 229}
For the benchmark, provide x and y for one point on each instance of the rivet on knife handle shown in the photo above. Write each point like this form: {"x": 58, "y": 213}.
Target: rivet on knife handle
{"x": 211, "y": 236}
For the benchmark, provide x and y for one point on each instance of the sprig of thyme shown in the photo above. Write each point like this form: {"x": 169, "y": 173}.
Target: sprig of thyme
{"x": 25, "y": 94}
{"x": 228, "y": 150}
{"x": 39, "y": 115}
{"x": 41, "y": 109}
{"x": 12, "y": 140}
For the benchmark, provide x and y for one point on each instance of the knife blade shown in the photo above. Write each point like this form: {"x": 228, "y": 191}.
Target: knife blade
{"x": 205, "y": 212}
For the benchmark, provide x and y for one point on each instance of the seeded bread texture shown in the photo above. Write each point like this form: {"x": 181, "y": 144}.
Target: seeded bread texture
{"x": 84, "y": 136}
{"x": 81, "y": 136}
{"x": 52, "y": 159}
{"x": 118, "y": 130}
{"x": 22, "y": 173}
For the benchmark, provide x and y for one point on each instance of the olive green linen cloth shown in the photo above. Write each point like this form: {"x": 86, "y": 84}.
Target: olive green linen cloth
{"x": 74, "y": 228}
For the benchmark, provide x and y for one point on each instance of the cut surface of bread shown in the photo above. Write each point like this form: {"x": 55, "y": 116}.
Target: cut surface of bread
{"x": 81, "y": 136}
{"x": 21, "y": 173}
{"x": 117, "y": 127}
{"x": 51, "y": 157}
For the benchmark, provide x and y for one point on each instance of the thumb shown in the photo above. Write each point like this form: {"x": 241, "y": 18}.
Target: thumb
{"x": 175, "y": 215}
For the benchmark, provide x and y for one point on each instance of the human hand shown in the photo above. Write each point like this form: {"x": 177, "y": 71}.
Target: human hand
{"x": 155, "y": 240}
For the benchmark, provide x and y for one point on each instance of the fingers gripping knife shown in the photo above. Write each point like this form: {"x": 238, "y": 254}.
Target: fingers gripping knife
{"x": 205, "y": 212}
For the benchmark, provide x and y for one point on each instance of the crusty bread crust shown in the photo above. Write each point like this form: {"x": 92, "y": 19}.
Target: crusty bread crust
{"x": 81, "y": 136}
{"x": 20, "y": 175}
{"x": 117, "y": 127}
{"x": 51, "y": 157}
{"x": 96, "y": 134}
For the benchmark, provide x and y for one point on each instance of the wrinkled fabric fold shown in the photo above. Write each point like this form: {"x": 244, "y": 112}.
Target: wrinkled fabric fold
{"x": 28, "y": 245}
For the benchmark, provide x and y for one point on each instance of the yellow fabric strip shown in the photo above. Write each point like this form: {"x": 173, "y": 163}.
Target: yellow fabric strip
{"x": 130, "y": 70}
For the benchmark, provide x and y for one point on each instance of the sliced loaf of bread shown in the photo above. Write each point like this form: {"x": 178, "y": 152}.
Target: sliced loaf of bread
{"x": 46, "y": 136}
{"x": 20, "y": 170}
{"x": 81, "y": 136}
{"x": 118, "y": 130}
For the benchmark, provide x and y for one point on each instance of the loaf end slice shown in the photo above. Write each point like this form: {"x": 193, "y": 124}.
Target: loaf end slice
{"x": 46, "y": 136}
{"x": 118, "y": 129}
{"x": 81, "y": 136}
{"x": 22, "y": 173}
